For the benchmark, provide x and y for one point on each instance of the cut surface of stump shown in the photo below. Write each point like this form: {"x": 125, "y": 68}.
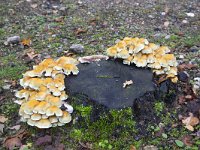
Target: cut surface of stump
{"x": 102, "y": 82}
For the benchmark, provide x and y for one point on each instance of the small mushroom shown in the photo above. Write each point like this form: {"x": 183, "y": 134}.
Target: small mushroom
{"x": 36, "y": 117}
{"x": 54, "y": 110}
{"x": 65, "y": 118}
{"x": 29, "y": 106}
{"x": 31, "y": 122}
{"x": 43, "y": 123}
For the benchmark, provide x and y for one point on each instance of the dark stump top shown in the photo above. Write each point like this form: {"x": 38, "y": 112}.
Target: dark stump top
{"x": 102, "y": 82}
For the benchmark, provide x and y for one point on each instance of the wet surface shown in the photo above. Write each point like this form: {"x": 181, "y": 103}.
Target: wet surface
{"x": 103, "y": 82}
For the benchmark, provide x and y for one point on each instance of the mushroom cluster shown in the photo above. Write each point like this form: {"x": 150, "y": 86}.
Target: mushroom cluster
{"x": 144, "y": 54}
{"x": 43, "y": 95}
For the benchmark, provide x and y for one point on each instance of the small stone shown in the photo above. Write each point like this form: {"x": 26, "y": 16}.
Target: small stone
{"x": 166, "y": 24}
{"x": 77, "y": 48}
{"x": 181, "y": 56}
{"x": 190, "y": 14}
{"x": 167, "y": 37}
{"x": 184, "y": 21}
{"x": 183, "y": 76}
{"x": 188, "y": 97}
{"x": 150, "y": 16}
{"x": 12, "y": 40}
{"x": 194, "y": 49}
{"x": 163, "y": 13}
{"x": 6, "y": 87}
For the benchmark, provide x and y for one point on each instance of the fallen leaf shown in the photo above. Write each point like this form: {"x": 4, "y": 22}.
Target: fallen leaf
{"x": 3, "y": 119}
{"x": 43, "y": 140}
{"x": 190, "y": 122}
{"x": 59, "y": 19}
{"x": 16, "y": 127}
{"x": 12, "y": 143}
{"x": 132, "y": 147}
{"x": 79, "y": 30}
{"x": 162, "y": 79}
{"x": 126, "y": 83}
{"x": 187, "y": 140}
{"x": 179, "y": 143}
{"x": 166, "y": 24}
{"x": 26, "y": 42}
{"x": 189, "y": 127}
{"x": 32, "y": 55}
{"x": 183, "y": 67}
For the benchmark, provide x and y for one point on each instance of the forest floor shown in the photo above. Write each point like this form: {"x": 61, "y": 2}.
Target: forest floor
{"x": 47, "y": 28}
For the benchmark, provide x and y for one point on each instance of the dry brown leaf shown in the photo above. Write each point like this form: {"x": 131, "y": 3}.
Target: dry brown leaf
{"x": 31, "y": 55}
{"x": 3, "y": 119}
{"x": 189, "y": 127}
{"x": 126, "y": 83}
{"x": 43, "y": 140}
{"x": 26, "y": 42}
{"x": 162, "y": 79}
{"x": 190, "y": 122}
{"x": 14, "y": 141}
{"x": 132, "y": 147}
{"x": 187, "y": 140}
{"x": 59, "y": 19}
{"x": 79, "y": 31}
{"x": 183, "y": 67}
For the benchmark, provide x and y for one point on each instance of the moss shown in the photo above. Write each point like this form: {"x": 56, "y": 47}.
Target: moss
{"x": 12, "y": 73}
{"x": 159, "y": 106}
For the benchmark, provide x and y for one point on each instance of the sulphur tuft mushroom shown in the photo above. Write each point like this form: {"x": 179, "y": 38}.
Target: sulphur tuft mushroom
{"x": 140, "y": 52}
{"x": 43, "y": 93}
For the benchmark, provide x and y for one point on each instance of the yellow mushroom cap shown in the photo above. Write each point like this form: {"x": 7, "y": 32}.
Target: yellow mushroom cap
{"x": 63, "y": 96}
{"x": 53, "y": 119}
{"x": 138, "y": 48}
{"x": 66, "y": 60}
{"x": 174, "y": 80}
{"x": 128, "y": 60}
{"x": 29, "y": 106}
{"x": 123, "y": 54}
{"x": 43, "y": 123}
{"x": 53, "y": 100}
{"x": 112, "y": 52}
{"x": 35, "y": 83}
{"x": 155, "y": 65}
{"x": 31, "y": 122}
{"x": 36, "y": 117}
{"x": 41, "y": 107}
{"x": 54, "y": 110}
{"x": 65, "y": 118}
{"x": 68, "y": 68}
{"x": 24, "y": 93}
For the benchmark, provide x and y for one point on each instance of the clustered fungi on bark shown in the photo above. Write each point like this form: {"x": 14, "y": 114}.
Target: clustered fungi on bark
{"x": 43, "y": 93}
{"x": 140, "y": 52}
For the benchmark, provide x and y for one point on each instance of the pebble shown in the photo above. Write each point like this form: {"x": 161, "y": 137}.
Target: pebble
{"x": 12, "y": 40}
{"x": 77, "y": 48}
{"x": 167, "y": 37}
{"x": 181, "y": 56}
{"x": 183, "y": 76}
{"x": 190, "y": 14}
{"x": 184, "y": 21}
{"x": 6, "y": 87}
